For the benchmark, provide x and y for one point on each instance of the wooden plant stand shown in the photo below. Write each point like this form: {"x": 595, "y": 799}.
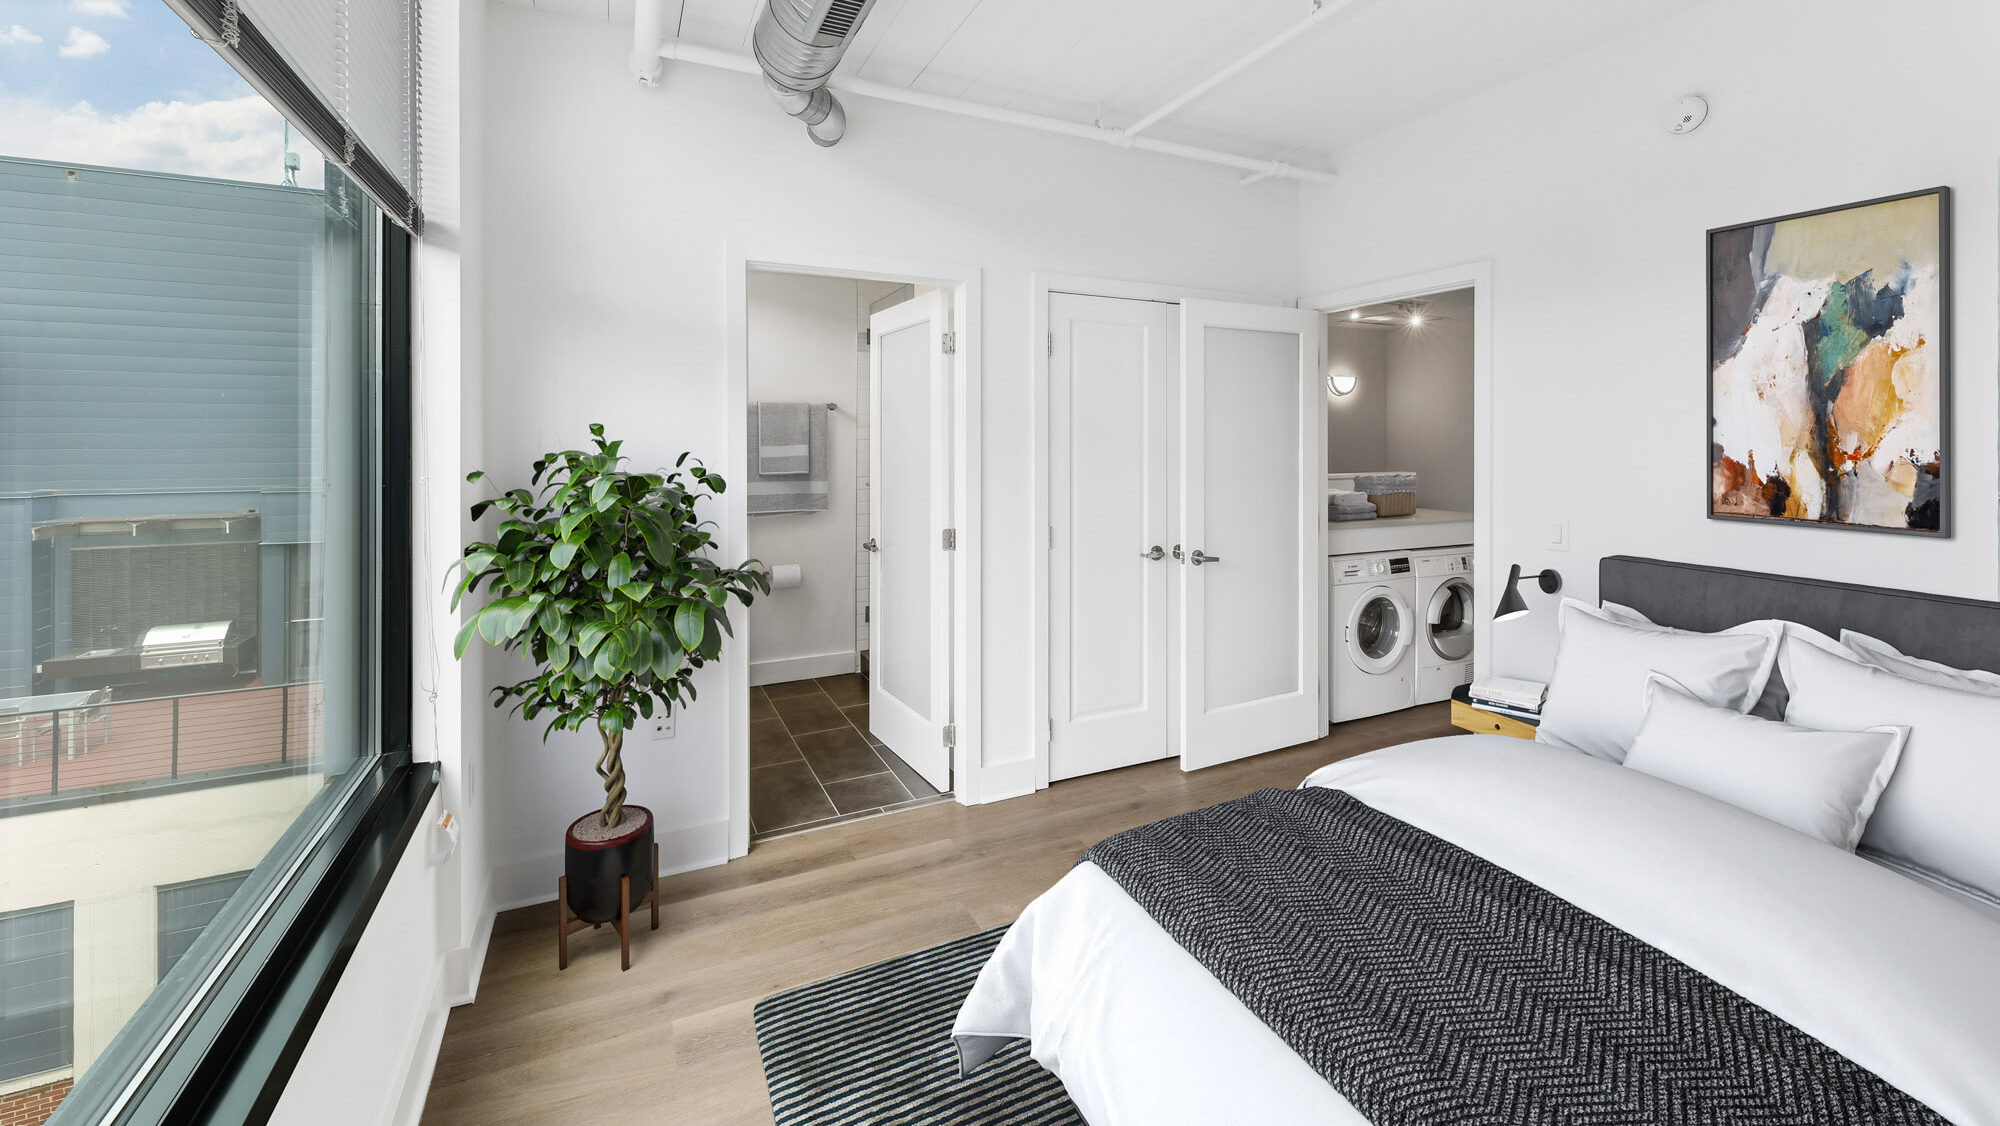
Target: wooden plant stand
{"x": 566, "y": 926}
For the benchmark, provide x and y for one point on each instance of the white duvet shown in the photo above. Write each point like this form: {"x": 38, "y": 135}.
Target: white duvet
{"x": 1901, "y": 978}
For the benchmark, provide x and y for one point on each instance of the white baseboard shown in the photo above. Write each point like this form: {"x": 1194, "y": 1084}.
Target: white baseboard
{"x": 532, "y": 881}
{"x": 803, "y": 668}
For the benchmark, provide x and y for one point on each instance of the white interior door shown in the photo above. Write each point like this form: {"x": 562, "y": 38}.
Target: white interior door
{"x": 1252, "y": 487}
{"x": 1109, "y": 478}
{"x": 909, "y": 580}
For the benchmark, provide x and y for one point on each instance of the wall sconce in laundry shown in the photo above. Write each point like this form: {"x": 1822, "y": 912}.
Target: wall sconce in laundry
{"x": 1341, "y": 382}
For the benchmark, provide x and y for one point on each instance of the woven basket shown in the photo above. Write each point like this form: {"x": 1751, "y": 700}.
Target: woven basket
{"x": 1394, "y": 504}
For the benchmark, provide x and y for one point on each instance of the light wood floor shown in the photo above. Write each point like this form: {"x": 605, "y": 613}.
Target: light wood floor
{"x": 672, "y": 1042}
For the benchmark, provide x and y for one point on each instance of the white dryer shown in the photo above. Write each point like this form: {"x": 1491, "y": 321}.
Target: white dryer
{"x": 1375, "y": 627}
{"x": 1445, "y": 613}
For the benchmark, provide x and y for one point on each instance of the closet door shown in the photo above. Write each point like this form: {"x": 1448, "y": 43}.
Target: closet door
{"x": 1109, "y": 568}
{"x": 1252, "y": 487}
{"x": 909, "y": 580}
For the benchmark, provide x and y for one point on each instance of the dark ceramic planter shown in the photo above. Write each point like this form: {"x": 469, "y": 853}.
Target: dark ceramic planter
{"x": 594, "y": 867}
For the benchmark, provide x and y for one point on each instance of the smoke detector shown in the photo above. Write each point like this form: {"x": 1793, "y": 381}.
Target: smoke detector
{"x": 1687, "y": 114}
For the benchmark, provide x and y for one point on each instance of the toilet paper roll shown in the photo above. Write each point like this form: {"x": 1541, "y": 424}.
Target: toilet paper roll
{"x": 785, "y": 576}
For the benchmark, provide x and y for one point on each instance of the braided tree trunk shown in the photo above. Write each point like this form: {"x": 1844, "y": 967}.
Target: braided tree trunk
{"x": 611, "y": 768}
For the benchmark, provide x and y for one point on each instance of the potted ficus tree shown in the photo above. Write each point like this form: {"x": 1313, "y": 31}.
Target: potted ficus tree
{"x": 601, "y": 578}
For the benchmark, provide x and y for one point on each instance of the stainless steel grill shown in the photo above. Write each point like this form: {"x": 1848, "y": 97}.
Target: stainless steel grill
{"x": 197, "y": 645}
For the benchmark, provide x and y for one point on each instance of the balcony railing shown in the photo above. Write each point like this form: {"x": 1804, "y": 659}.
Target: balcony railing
{"x": 115, "y": 746}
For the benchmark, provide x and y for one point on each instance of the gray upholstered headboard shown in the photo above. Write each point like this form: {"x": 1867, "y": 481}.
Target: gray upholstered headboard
{"x": 1961, "y": 632}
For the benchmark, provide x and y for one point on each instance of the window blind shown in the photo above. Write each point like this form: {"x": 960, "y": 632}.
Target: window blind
{"x": 36, "y": 957}
{"x": 346, "y": 72}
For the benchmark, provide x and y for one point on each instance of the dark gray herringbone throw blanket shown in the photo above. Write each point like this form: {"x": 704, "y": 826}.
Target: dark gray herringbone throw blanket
{"x": 1430, "y": 986}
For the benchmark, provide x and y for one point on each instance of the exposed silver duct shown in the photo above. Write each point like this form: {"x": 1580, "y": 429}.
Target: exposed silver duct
{"x": 798, "y": 43}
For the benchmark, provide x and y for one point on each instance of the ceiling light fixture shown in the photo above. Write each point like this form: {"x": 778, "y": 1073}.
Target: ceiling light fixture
{"x": 1416, "y": 320}
{"x": 1354, "y": 314}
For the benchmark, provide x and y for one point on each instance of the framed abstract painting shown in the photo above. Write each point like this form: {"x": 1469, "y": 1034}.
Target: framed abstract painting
{"x": 1829, "y": 367}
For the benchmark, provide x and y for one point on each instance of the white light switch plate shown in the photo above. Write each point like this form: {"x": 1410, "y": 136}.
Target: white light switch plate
{"x": 659, "y": 727}
{"x": 1558, "y": 535}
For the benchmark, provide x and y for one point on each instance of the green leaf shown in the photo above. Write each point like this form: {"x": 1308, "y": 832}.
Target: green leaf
{"x": 690, "y": 622}
{"x": 464, "y": 639}
{"x": 474, "y": 475}
{"x": 492, "y": 621}
{"x": 591, "y": 635}
{"x": 619, "y": 571}
{"x": 561, "y": 554}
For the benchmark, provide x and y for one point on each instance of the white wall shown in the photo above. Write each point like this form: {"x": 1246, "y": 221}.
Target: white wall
{"x": 1593, "y": 218}
{"x": 1357, "y": 423}
{"x": 611, "y": 209}
{"x": 803, "y": 348}
{"x": 1429, "y": 371}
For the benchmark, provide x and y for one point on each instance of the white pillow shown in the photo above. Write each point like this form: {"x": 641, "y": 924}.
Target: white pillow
{"x": 1597, "y": 694}
{"x": 1824, "y": 784}
{"x": 1770, "y": 703}
{"x": 1883, "y": 655}
{"x": 1941, "y": 811}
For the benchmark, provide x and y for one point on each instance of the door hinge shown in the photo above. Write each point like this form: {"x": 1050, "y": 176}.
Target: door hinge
{"x": 951, "y": 344}
{"x": 1052, "y": 547}
{"x": 1052, "y": 346}
{"x": 1052, "y": 729}
{"x": 951, "y": 539}
{"x": 864, "y": 339}
{"x": 950, "y": 735}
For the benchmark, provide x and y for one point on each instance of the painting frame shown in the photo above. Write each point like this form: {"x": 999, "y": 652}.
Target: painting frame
{"x": 1942, "y": 358}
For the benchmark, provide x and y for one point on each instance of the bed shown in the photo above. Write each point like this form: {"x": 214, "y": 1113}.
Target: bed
{"x": 1893, "y": 973}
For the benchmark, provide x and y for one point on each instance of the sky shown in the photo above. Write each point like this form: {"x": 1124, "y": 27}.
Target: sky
{"x": 123, "y": 83}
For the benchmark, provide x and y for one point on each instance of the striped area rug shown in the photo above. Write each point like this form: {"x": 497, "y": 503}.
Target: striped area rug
{"x": 874, "y": 1046}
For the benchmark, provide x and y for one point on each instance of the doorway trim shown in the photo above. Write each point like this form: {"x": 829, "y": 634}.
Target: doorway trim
{"x": 1478, "y": 277}
{"x": 1027, "y": 776}
{"x": 734, "y": 539}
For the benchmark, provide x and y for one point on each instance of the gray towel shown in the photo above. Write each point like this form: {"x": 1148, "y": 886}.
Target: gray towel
{"x": 782, "y": 439}
{"x": 802, "y": 490}
{"x": 1339, "y": 515}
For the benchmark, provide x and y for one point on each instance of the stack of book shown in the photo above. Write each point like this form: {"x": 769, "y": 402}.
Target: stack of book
{"x": 1522, "y": 698}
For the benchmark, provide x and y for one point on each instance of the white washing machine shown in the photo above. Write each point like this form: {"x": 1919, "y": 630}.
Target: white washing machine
{"x": 1375, "y": 626}
{"x": 1445, "y": 613}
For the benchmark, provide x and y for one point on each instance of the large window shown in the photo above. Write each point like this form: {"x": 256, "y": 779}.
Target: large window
{"x": 37, "y": 961}
{"x": 191, "y": 461}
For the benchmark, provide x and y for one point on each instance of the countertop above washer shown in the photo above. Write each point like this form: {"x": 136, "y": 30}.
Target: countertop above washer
{"x": 1426, "y": 528}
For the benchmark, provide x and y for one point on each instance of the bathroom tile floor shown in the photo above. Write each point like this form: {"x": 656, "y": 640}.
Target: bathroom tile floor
{"x": 813, "y": 763}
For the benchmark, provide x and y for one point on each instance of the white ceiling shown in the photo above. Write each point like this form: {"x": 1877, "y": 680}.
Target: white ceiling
{"x": 1367, "y": 68}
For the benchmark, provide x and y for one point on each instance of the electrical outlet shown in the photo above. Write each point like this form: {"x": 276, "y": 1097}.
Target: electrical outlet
{"x": 660, "y": 727}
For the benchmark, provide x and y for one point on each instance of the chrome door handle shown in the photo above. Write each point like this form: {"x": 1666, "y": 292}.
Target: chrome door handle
{"x": 869, "y": 544}
{"x": 1177, "y": 553}
{"x": 1198, "y": 558}
{"x": 1158, "y": 552}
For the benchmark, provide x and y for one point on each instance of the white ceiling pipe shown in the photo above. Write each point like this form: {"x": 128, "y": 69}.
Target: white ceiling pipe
{"x": 1322, "y": 9}
{"x": 676, "y": 50}
{"x": 649, "y": 34}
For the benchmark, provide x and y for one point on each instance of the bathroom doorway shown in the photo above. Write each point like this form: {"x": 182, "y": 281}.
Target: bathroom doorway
{"x": 835, "y": 413}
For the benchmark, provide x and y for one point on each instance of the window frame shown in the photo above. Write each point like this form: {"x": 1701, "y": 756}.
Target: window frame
{"x": 218, "y": 1038}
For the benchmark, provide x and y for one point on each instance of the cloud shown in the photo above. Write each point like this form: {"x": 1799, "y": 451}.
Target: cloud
{"x": 83, "y": 45}
{"x": 17, "y": 34}
{"x": 231, "y": 139}
{"x": 102, "y": 9}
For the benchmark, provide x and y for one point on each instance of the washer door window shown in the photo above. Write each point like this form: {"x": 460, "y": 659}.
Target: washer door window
{"x": 1378, "y": 631}
{"x": 1449, "y": 621}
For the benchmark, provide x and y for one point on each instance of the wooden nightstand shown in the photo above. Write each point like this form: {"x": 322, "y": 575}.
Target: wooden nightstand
{"x": 1471, "y": 717}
